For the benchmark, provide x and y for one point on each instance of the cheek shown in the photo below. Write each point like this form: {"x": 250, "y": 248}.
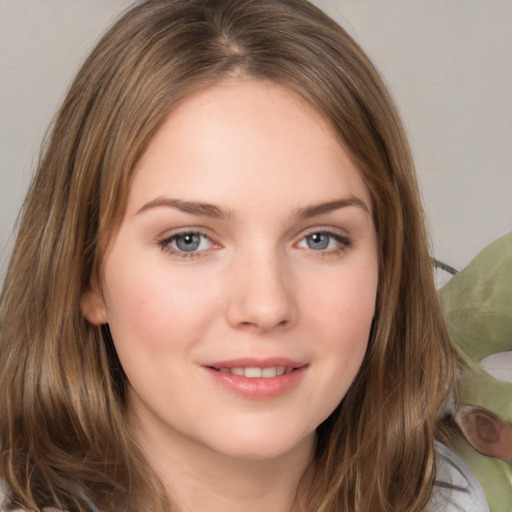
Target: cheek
{"x": 346, "y": 313}
{"x": 152, "y": 307}
{"x": 345, "y": 303}
{"x": 341, "y": 346}
{"x": 343, "y": 314}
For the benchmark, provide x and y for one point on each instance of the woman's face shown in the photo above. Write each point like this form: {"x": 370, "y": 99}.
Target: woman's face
{"x": 241, "y": 286}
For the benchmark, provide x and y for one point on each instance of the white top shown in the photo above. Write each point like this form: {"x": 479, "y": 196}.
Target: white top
{"x": 457, "y": 489}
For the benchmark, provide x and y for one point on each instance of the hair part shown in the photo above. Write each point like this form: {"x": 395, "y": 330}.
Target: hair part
{"x": 63, "y": 431}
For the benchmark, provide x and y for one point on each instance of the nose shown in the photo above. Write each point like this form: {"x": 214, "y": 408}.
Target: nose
{"x": 262, "y": 296}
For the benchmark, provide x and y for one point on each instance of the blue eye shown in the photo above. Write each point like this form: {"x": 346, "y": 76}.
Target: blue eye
{"x": 324, "y": 241}
{"x": 187, "y": 243}
{"x": 318, "y": 241}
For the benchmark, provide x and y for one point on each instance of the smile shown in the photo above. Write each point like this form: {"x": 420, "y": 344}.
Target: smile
{"x": 252, "y": 372}
{"x": 258, "y": 379}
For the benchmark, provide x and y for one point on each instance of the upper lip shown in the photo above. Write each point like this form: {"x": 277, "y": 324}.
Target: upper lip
{"x": 251, "y": 362}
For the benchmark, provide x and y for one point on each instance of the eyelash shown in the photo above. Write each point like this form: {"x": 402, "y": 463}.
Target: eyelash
{"x": 343, "y": 243}
{"x": 167, "y": 248}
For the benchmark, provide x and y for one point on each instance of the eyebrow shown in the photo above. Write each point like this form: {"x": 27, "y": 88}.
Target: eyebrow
{"x": 329, "y": 206}
{"x": 192, "y": 207}
{"x": 211, "y": 210}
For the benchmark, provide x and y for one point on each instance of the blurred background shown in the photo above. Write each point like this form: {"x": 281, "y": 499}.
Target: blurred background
{"x": 447, "y": 63}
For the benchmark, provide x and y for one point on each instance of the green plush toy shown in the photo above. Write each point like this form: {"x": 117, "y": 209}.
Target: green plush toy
{"x": 477, "y": 303}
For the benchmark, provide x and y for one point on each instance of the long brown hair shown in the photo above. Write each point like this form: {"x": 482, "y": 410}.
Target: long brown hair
{"x": 63, "y": 435}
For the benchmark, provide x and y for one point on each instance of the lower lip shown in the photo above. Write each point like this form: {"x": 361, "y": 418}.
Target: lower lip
{"x": 258, "y": 388}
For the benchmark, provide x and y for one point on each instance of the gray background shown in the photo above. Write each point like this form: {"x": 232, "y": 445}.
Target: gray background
{"x": 447, "y": 62}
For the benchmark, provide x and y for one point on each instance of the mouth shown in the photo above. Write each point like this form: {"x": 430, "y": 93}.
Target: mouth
{"x": 256, "y": 372}
{"x": 258, "y": 379}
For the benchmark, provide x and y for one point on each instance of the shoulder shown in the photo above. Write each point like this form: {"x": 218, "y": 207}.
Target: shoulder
{"x": 456, "y": 488}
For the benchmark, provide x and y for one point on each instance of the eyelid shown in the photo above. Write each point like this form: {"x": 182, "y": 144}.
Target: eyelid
{"x": 330, "y": 230}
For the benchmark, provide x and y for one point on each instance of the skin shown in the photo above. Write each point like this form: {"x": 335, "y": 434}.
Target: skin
{"x": 258, "y": 285}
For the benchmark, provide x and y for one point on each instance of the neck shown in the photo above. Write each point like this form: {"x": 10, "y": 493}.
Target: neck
{"x": 199, "y": 479}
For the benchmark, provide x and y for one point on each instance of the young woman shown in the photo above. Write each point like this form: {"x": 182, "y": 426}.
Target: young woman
{"x": 221, "y": 295}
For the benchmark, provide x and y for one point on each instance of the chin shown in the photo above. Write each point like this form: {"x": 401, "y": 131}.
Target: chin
{"x": 265, "y": 446}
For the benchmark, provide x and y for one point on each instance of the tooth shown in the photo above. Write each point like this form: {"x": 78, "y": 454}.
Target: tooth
{"x": 224, "y": 370}
{"x": 280, "y": 370}
{"x": 269, "y": 372}
{"x": 288, "y": 370}
{"x": 252, "y": 372}
{"x": 237, "y": 371}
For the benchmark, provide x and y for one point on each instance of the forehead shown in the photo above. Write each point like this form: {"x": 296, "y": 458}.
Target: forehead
{"x": 241, "y": 129}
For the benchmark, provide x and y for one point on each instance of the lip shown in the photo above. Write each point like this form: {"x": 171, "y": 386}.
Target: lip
{"x": 266, "y": 362}
{"x": 257, "y": 388}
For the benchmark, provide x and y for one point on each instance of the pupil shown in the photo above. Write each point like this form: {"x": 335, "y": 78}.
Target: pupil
{"x": 188, "y": 243}
{"x": 318, "y": 241}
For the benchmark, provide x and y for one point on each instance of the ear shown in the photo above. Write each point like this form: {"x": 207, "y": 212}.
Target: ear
{"x": 487, "y": 433}
{"x": 92, "y": 304}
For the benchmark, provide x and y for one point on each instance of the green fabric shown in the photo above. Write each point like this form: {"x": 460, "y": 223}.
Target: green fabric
{"x": 495, "y": 475}
{"x": 477, "y": 303}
